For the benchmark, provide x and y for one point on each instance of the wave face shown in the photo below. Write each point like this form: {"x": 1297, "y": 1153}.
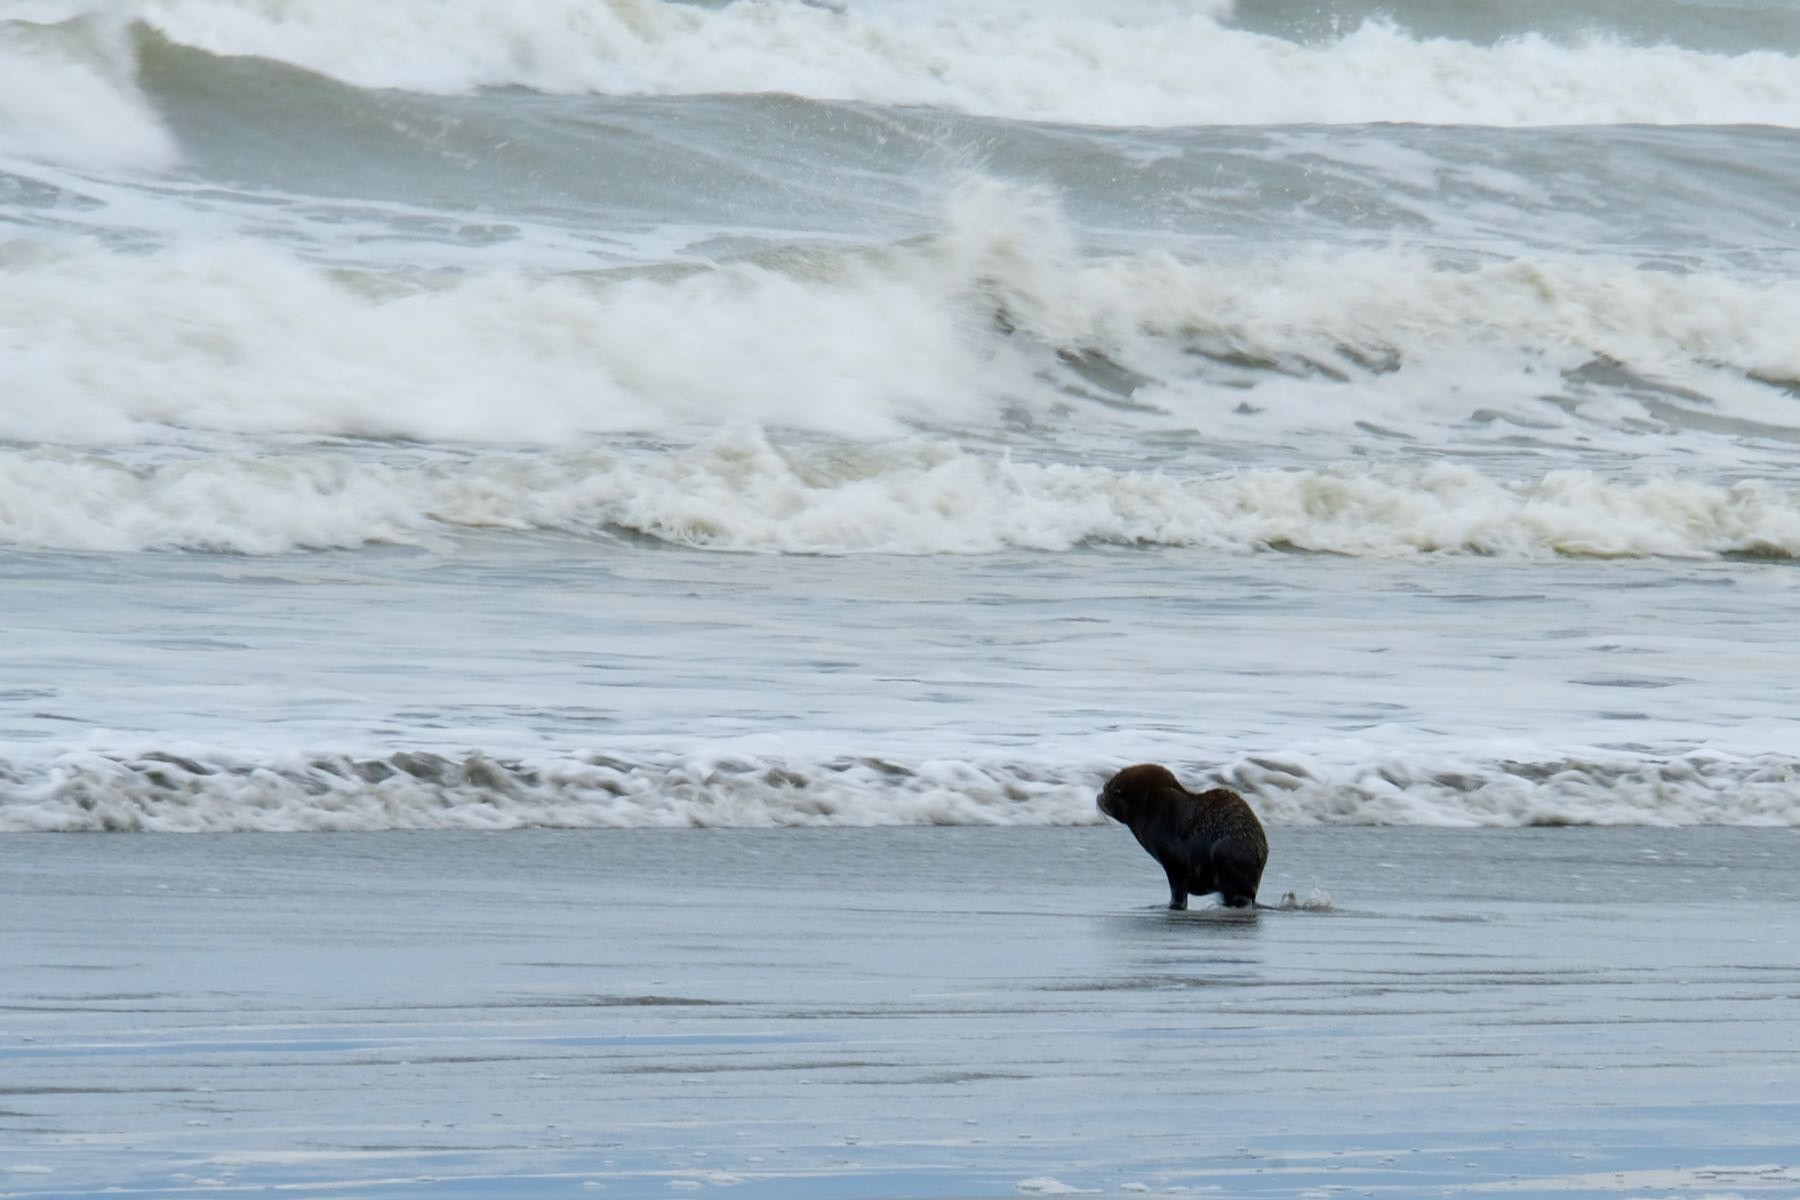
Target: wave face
{"x": 778, "y": 412}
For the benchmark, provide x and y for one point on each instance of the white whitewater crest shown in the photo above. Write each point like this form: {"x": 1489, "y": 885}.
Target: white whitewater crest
{"x": 196, "y": 790}
{"x": 739, "y": 492}
{"x": 243, "y": 338}
{"x": 1136, "y": 64}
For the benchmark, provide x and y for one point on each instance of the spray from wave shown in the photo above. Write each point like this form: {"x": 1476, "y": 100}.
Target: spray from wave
{"x": 69, "y": 95}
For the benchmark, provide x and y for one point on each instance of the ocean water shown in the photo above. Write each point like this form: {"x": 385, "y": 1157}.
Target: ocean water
{"x": 633, "y": 413}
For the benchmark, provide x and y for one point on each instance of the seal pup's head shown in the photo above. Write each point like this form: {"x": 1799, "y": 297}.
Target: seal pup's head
{"x": 1125, "y": 793}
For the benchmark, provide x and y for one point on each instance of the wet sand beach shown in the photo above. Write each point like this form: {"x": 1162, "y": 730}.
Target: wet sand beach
{"x": 898, "y": 1012}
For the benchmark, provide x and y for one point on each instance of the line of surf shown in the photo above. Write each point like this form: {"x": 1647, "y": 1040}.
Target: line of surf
{"x": 209, "y": 790}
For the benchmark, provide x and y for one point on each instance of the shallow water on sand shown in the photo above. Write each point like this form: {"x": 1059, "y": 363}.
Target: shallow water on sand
{"x": 887, "y": 1012}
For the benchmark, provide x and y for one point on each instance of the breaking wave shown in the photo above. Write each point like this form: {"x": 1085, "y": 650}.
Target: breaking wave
{"x": 69, "y": 69}
{"x": 995, "y": 315}
{"x": 1123, "y": 64}
{"x": 740, "y": 492}
{"x": 216, "y": 792}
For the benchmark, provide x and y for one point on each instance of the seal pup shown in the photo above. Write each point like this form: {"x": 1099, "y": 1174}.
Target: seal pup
{"x": 1206, "y": 841}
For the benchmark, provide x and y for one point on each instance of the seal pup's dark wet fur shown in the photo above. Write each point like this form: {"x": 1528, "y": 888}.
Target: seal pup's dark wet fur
{"x": 1206, "y": 841}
